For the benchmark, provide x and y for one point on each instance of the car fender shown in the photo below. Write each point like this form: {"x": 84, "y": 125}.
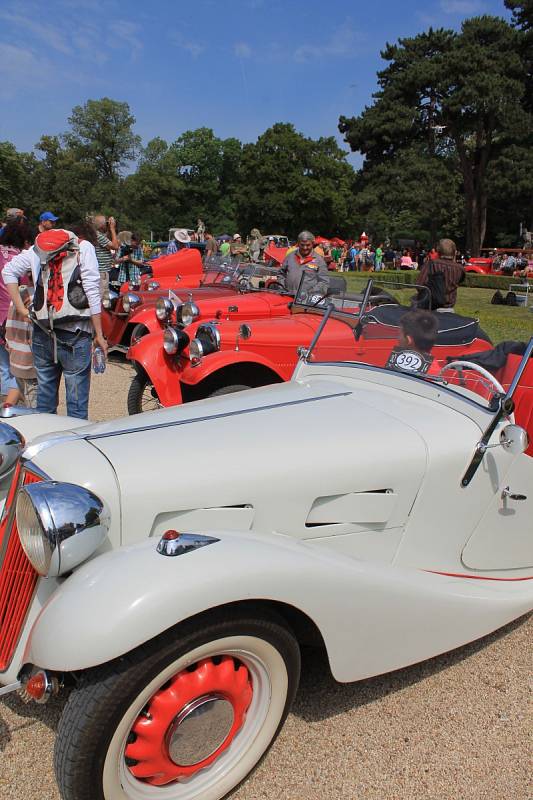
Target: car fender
{"x": 146, "y": 316}
{"x": 163, "y": 370}
{"x": 475, "y": 268}
{"x": 373, "y": 617}
{"x": 214, "y": 362}
{"x": 113, "y": 326}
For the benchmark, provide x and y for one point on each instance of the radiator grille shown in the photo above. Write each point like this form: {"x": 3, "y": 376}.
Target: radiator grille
{"x": 17, "y": 576}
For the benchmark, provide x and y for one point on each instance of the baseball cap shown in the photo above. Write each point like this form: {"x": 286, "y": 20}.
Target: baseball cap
{"x": 236, "y": 236}
{"x": 47, "y": 216}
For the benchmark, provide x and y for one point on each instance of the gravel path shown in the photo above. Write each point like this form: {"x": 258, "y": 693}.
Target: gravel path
{"x": 453, "y": 728}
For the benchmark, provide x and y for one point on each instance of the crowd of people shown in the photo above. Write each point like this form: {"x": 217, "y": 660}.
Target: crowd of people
{"x": 63, "y": 272}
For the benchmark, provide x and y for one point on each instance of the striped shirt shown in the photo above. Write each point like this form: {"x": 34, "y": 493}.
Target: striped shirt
{"x": 103, "y": 254}
{"x": 18, "y": 341}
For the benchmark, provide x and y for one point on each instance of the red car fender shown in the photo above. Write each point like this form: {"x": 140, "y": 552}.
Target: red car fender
{"x": 162, "y": 370}
{"x": 217, "y": 361}
{"x": 113, "y": 327}
{"x": 476, "y": 268}
{"x": 145, "y": 315}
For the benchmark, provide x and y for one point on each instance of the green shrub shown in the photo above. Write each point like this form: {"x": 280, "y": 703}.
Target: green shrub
{"x": 472, "y": 281}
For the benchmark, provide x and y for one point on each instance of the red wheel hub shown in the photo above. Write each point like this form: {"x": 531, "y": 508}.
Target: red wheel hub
{"x": 173, "y": 716}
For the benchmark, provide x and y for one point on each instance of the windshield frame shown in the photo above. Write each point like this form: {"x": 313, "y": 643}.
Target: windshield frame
{"x": 327, "y": 310}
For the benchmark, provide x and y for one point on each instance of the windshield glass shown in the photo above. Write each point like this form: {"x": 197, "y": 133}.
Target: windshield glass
{"x": 231, "y": 271}
{"x": 378, "y": 326}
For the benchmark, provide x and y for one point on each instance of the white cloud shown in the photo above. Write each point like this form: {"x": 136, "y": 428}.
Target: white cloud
{"x": 49, "y": 34}
{"x": 342, "y": 43}
{"x": 194, "y": 48}
{"x": 20, "y": 68}
{"x": 461, "y": 6}
{"x": 126, "y": 34}
{"x": 242, "y": 50}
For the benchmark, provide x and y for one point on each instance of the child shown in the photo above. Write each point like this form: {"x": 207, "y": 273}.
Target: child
{"x": 418, "y": 332}
{"x": 18, "y": 340}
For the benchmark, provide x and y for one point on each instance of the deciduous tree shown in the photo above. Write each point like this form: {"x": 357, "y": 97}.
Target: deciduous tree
{"x": 456, "y": 94}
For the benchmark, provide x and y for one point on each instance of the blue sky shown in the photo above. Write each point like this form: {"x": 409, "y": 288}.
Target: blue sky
{"x": 236, "y": 66}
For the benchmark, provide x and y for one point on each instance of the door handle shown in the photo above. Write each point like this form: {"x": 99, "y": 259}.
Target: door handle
{"x": 507, "y": 494}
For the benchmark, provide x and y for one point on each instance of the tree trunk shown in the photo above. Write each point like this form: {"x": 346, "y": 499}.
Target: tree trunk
{"x": 473, "y": 170}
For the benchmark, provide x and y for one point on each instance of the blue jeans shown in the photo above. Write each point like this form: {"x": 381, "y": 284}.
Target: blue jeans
{"x": 74, "y": 352}
{"x": 7, "y": 381}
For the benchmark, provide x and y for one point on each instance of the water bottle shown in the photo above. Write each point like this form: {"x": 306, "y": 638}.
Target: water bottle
{"x": 98, "y": 361}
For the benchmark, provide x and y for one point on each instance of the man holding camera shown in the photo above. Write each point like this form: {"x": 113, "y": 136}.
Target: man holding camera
{"x": 106, "y": 241}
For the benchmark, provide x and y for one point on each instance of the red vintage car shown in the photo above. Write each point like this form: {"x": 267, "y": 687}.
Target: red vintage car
{"x": 225, "y": 355}
{"x": 183, "y": 268}
{"x": 225, "y": 292}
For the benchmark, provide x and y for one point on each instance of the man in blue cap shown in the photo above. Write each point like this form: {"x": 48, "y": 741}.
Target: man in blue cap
{"x": 47, "y": 220}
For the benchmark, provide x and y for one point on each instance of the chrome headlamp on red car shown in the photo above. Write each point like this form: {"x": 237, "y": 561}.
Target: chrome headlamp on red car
{"x": 130, "y": 301}
{"x": 206, "y": 341}
{"x": 187, "y": 313}
{"x": 163, "y": 309}
{"x": 109, "y": 299}
{"x": 174, "y": 341}
{"x": 60, "y": 525}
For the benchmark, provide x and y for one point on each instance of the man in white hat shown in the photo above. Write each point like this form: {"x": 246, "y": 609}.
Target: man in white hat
{"x": 237, "y": 248}
{"x": 181, "y": 240}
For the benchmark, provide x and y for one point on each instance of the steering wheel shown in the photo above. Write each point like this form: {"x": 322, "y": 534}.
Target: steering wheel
{"x": 275, "y": 286}
{"x": 476, "y": 368}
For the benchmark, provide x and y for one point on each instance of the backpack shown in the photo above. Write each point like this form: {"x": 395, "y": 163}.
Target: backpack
{"x": 510, "y": 299}
{"x": 59, "y": 293}
{"x": 497, "y": 298}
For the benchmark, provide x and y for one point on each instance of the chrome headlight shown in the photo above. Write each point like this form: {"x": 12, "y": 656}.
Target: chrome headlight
{"x": 130, "y": 301}
{"x": 196, "y": 350}
{"x": 11, "y": 446}
{"x": 151, "y": 286}
{"x": 187, "y": 313}
{"x": 60, "y": 525}
{"x": 163, "y": 309}
{"x": 207, "y": 340}
{"x": 174, "y": 341}
{"x": 109, "y": 299}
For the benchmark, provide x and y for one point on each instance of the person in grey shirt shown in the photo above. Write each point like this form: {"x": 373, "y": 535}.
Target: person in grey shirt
{"x": 304, "y": 261}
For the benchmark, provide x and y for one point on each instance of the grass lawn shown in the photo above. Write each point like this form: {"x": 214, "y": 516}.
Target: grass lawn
{"x": 500, "y": 322}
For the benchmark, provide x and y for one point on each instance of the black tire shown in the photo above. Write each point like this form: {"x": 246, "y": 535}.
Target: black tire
{"x": 141, "y": 388}
{"x": 95, "y": 727}
{"x": 234, "y": 387}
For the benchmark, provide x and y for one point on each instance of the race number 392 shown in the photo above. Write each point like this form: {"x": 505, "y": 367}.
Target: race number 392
{"x": 409, "y": 360}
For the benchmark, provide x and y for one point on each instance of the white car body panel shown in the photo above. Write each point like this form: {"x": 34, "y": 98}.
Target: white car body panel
{"x": 373, "y": 618}
{"x": 365, "y": 468}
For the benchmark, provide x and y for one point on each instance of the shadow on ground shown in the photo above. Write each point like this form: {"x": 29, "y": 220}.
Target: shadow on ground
{"x": 321, "y": 697}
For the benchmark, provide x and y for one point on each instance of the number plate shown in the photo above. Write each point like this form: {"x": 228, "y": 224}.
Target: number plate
{"x": 409, "y": 360}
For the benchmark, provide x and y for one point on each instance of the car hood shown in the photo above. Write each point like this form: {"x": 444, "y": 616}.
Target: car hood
{"x": 228, "y": 457}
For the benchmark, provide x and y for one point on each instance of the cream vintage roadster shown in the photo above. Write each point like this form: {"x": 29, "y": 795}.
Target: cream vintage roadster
{"x": 380, "y": 514}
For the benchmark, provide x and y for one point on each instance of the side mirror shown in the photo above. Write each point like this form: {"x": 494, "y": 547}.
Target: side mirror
{"x": 514, "y": 439}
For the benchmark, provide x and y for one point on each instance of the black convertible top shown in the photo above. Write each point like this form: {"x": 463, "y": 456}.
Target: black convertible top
{"x": 452, "y": 328}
